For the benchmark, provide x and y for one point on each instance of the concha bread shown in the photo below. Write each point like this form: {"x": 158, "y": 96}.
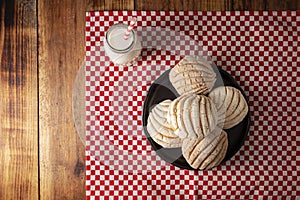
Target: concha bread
{"x": 158, "y": 127}
{"x": 193, "y": 74}
{"x": 192, "y": 116}
{"x": 207, "y": 152}
{"x": 231, "y": 106}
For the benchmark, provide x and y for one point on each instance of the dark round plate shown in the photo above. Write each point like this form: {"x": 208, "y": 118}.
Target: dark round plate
{"x": 162, "y": 89}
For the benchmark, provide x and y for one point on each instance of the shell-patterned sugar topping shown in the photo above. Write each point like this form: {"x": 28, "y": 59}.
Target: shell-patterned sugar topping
{"x": 207, "y": 152}
{"x": 231, "y": 106}
{"x": 158, "y": 127}
{"x": 196, "y": 116}
{"x": 193, "y": 74}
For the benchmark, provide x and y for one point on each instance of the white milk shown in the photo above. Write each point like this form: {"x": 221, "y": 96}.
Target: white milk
{"x": 119, "y": 50}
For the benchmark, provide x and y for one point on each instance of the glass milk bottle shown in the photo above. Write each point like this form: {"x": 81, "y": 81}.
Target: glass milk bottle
{"x": 122, "y": 51}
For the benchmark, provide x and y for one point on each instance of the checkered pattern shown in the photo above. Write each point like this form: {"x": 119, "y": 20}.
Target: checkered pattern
{"x": 260, "y": 49}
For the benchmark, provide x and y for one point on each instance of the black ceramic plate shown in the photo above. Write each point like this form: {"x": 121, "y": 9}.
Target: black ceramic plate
{"x": 162, "y": 89}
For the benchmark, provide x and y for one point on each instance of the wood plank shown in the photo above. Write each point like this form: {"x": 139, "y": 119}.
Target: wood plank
{"x": 61, "y": 52}
{"x": 18, "y": 100}
{"x": 265, "y": 5}
{"x": 282, "y": 5}
{"x": 211, "y": 5}
{"x": 93, "y": 5}
{"x": 275, "y": 5}
{"x": 248, "y": 5}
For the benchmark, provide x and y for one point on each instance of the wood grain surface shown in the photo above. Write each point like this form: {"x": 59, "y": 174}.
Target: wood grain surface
{"x": 211, "y": 5}
{"x": 184, "y": 5}
{"x": 41, "y": 50}
{"x": 110, "y": 5}
{"x": 61, "y": 26}
{"x": 18, "y": 101}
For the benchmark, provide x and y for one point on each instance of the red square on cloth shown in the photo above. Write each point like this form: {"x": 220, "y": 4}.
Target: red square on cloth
{"x": 261, "y": 50}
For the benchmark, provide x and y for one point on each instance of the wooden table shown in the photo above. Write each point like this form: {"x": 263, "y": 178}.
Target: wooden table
{"x": 41, "y": 48}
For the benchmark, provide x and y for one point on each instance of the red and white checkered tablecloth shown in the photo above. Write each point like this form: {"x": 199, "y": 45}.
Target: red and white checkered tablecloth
{"x": 261, "y": 50}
